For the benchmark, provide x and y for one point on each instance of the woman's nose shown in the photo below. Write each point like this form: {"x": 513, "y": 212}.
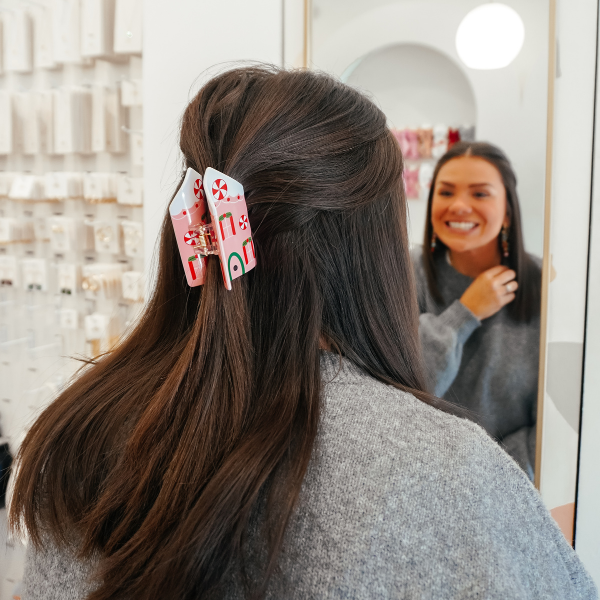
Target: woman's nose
{"x": 460, "y": 207}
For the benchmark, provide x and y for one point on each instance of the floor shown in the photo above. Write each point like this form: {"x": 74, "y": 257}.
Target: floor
{"x": 12, "y": 558}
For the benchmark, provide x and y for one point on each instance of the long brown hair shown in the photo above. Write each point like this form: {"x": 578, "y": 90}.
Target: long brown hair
{"x": 156, "y": 457}
{"x": 527, "y": 302}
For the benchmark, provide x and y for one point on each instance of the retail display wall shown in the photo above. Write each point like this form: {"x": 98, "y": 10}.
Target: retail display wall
{"x": 71, "y": 237}
{"x": 71, "y": 194}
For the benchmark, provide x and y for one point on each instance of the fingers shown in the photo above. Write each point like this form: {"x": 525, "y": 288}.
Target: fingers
{"x": 511, "y": 286}
{"x": 495, "y": 271}
{"x": 507, "y": 299}
{"x": 504, "y": 277}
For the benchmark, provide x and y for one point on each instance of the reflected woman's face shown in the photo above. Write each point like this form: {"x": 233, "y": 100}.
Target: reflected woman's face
{"x": 469, "y": 204}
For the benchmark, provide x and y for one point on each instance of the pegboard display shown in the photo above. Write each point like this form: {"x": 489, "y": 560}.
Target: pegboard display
{"x": 71, "y": 194}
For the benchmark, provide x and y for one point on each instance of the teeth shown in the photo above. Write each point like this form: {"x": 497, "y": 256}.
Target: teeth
{"x": 464, "y": 225}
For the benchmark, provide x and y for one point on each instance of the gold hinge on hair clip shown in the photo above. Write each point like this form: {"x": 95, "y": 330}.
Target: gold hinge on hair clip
{"x": 206, "y": 243}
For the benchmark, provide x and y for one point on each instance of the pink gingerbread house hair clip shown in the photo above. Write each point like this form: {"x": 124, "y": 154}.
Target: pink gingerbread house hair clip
{"x": 210, "y": 216}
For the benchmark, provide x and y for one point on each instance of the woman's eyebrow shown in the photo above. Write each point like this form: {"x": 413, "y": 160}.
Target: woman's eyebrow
{"x": 481, "y": 184}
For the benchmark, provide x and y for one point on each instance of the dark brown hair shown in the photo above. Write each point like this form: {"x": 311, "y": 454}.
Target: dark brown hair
{"x": 526, "y": 304}
{"x": 158, "y": 455}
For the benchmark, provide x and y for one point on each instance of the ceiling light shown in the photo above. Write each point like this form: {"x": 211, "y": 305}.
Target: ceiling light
{"x": 490, "y": 36}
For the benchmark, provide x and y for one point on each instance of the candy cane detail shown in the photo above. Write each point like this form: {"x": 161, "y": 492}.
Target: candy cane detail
{"x": 219, "y": 189}
{"x": 198, "y": 189}
{"x": 191, "y": 238}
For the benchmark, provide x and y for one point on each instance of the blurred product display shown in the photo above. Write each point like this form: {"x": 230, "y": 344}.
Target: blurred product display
{"x": 421, "y": 147}
{"x": 71, "y": 193}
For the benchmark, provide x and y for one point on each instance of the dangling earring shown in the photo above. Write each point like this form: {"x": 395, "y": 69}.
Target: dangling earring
{"x": 504, "y": 238}
{"x": 433, "y": 242}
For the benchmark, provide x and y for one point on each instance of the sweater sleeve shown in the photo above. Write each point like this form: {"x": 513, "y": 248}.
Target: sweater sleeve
{"x": 527, "y": 542}
{"x": 442, "y": 339}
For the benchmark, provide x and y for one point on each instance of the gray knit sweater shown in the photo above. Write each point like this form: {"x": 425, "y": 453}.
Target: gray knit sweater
{"x": 400, "y": 501}
{"x": 489, "y": 367}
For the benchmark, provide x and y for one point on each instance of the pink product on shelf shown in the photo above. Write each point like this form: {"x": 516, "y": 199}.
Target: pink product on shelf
{"x": 408, "y": 141}
{"x": 411, "y": 182}
{"x": 412, "y": 144}
{"x": 425, "y": 136}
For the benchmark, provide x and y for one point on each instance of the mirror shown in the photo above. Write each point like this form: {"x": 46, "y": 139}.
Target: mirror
{"x": 412, "y": 58}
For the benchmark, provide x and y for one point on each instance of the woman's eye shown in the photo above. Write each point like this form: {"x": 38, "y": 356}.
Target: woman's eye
{"x": 445, "y": 193}
{"x": 481, "y": 194}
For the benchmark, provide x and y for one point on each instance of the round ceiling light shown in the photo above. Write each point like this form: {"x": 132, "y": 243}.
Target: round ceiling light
{"x": 490, "y": 36}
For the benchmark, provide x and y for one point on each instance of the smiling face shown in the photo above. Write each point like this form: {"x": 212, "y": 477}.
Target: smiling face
{"x": 469, "y": 204}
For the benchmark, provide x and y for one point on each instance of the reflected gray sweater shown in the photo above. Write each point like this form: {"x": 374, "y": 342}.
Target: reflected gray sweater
{"x": 400, "y": 501}
{"x": 489, "y": 367}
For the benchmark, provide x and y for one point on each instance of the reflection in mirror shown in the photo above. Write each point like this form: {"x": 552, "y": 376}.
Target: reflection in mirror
{"x": 474, "y": 145}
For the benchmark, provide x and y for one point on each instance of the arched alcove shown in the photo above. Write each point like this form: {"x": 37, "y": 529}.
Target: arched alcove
{"x": 415, "y": 85}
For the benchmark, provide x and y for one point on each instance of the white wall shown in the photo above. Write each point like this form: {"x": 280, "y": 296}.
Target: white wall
{"x": 571, "y": 188}
{"x": 511, "y": 102}
{"x": 185, "y": 42}
{"x": 415, "y": 85}
{"x": 588, "y": 497}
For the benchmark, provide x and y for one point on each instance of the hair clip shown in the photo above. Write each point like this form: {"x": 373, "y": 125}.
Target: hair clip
{"x": 210, "y": 216}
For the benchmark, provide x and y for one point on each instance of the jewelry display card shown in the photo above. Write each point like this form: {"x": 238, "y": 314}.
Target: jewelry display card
{"x": 66, "y": 39}
{"x": 107, "y": 237}
{"x": 133, "y": 286}
{"x": 68, "y": 318}
{"x": 17, "y": 40}
{"x": 43, "y": 56}
{"x": 130, "y": 190}
{"x": 128, "y": 27}
{"x": 133, "y": 238}
{"x": 35, "y": 274}
{"x": 28, "y": 123}
{"x": 68, "y": 277}
{"x": 131, "y": 92}
{"x": 97, "y": 27}
{"x": 137, "y": 149}
{"x": 8, "y": 271}
{"x": 6, "y": 123}
{"x": 68, "y": 250}
{"x": 72, "y": 120}
{"x": 45, "y": 115}
{"x": 26, "y": 187}
{"x": 100, "y": 187}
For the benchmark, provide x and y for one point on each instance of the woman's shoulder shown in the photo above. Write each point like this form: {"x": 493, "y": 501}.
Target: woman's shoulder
{"x": 355, "y": 400}
{"x": 437, "y": 481}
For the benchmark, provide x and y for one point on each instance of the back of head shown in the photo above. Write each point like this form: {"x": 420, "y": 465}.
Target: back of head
{"x": 158, "y": 454}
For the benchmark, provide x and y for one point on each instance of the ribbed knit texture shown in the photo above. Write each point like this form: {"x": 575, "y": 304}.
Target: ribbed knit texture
{"x": 489, "y": 367}
{"x": 400, "y": 501}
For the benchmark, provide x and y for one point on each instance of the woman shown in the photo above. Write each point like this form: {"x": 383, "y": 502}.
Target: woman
{"x": 218, "y": 453}
{"x": 479, "y": 297}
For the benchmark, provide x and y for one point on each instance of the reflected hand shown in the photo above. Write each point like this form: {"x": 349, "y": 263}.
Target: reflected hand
{"x": 490, "y": 291}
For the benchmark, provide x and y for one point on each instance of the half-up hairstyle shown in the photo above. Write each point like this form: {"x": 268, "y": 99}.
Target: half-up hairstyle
{"x": 159, "y": 455}
{"x": 528, "y": 298}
